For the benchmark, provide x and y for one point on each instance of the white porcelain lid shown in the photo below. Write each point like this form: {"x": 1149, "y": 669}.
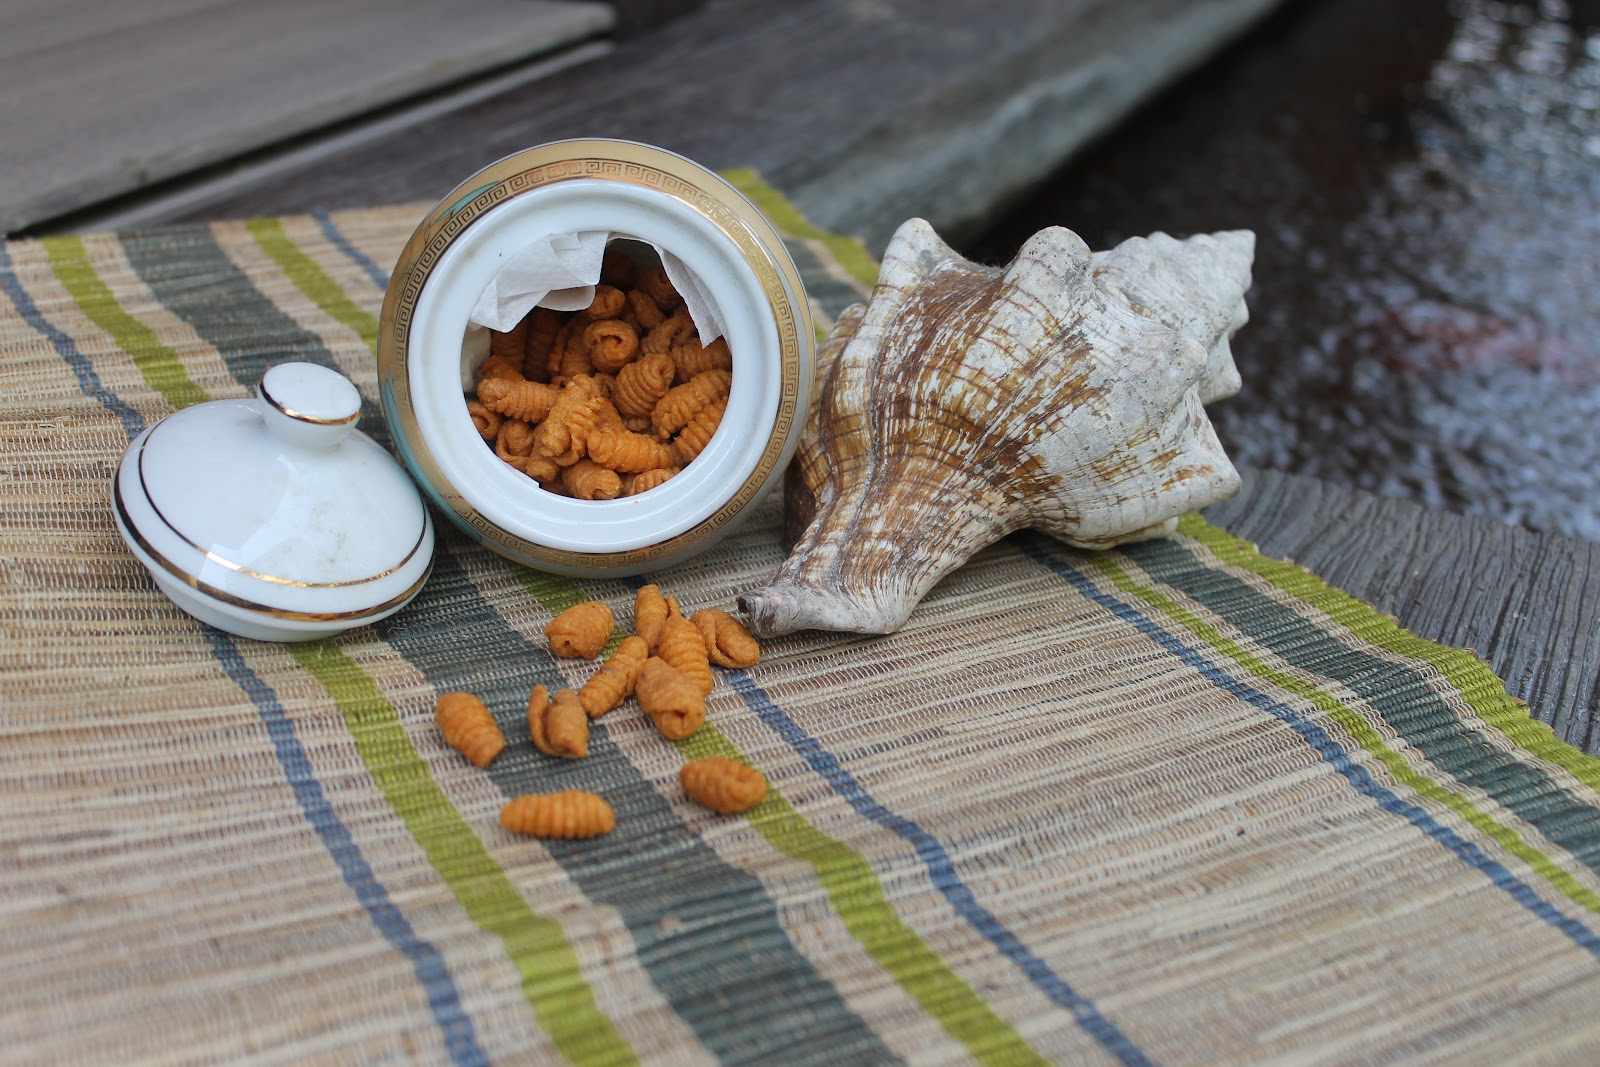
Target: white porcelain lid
{"x": 277, "y": 504}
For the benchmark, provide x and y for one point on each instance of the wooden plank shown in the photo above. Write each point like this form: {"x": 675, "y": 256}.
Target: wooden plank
{"x": 105, "y": 97}
{"x": 1527, "y": 603}
{"x": 865, "y": 113}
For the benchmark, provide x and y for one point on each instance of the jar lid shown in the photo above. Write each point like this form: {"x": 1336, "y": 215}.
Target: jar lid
{"x": 274, "y": 517}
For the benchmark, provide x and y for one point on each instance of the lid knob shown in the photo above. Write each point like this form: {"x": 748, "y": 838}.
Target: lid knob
{"x": 307, "y": 405}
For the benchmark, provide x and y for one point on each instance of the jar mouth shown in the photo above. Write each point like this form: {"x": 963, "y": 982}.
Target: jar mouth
{"x": 684, "y": 335}
{"x": 765, "y": 323}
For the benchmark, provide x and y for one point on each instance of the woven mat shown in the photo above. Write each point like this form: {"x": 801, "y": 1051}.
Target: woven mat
{"x": 1175, "y": 804}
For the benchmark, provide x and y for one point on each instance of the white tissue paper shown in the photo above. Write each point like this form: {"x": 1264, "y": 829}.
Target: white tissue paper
{"x": 560, "y": 270}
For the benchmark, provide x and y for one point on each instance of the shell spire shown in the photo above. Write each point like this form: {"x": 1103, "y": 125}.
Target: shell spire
{"x": 1195, "y": 285}
{"x": 964, "y": 402}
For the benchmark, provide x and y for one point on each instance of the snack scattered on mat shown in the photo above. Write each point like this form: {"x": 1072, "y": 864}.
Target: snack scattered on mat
{"x": 468, "y": 727}
{"x": 728, "y": 643}
{"x": 569, "y": 814}
{"x": 558, "y": 725}
{"x": 581, "y": 631}
{"x": 673, "y": 701}
{"x": 684, "y": 650}
{"x": 726, "y": 786}
{"x": 670, "y": 688}
{"x": 614, "y": 681}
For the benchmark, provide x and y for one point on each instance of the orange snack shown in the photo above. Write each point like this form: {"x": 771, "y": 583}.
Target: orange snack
{"x": 728, "y": 643}
{"x": 544, "y": 326}
{"x": 674, "y": 703}
{"x": 683, "y": 402}
{"x": 485, "y": 420}
{"x": 558, "y": 347}
{"x": 693, "y": 438}
{"x": 644, "y": 481}
{"x": 514, "y": 442}
{"x": 468, "y": 727}
{"x": 660, "y": 288}
{"x": 608, "y": 303}
{"x": 642, "y": 383}
{"x": 519, "y": 399}
{"x": 684, "y": 650}
{"x": 542, "y": 468}
{"x": 574, "y": 357}
{"x": 555, "y": 435}
{"x": 666, "y": 333}
{"x": 726, "y": 786}
{"x": 644, "y": 309}
{"x": 500, "y": 368}
{"x": 581, "y": 631}
{"x": 649, "y": 613}
{"x": 588, "y": 480}
{"x": 614, "y": 681}
{"x": 558, "y": 724}
{"x": 572, "y": 813}
{"x": 633, "y": 452}
{"x": 611, "y": 342}
{"x": 691, "y": 358}
{"x": 509, "y": 345}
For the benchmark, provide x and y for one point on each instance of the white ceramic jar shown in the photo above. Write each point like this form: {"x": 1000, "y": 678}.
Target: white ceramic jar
{"x": 635, "y": 192}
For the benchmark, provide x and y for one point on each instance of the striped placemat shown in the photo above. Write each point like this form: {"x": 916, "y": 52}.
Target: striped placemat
{"x": 1174, "y": 804}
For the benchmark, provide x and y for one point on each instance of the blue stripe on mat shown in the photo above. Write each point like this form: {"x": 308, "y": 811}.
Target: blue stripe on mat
{"x": 1330, "y": 750}
{"x": 331, "y": 231}
{"x": 942, "y": 871}
{"x": 444, "y": 1000}
{"x": 88, "y": 381}
{"x": 704, "y": 930}
{"x": 1402, "y": 694}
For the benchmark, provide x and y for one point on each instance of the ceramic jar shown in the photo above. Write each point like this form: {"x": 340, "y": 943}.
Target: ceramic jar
{"x": 639, "y": 194}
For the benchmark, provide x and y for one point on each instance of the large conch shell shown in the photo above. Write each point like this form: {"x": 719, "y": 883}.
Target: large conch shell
{"x": 1063, "y": 392}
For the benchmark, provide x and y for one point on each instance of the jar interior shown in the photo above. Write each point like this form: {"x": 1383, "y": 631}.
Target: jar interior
{"x": 605, "y": 391}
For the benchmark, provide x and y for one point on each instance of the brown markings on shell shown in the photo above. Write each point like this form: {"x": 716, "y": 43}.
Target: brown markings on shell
{"x": 965, "y": 402}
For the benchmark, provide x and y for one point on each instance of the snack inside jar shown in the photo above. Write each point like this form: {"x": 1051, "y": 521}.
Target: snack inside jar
{"x": 610, "y": 400}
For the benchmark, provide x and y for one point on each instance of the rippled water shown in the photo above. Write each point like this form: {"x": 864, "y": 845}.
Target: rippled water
{"x": 1424, "y": 180}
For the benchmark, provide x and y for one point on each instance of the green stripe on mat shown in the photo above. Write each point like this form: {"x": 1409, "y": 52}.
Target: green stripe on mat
{"x": 850, "y": 253}
{"x": 853, "y": 887}
{"x": 1483, "y": 691}
{"x": 1354, "y": 726}
{"x": 312, "y": 280}
{"x": 552, "y": 981}
{"x": 158, "y": 364}
{"x": 858, "y": 898}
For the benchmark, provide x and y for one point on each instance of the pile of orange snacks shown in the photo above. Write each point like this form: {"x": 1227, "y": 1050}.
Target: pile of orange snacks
{"x": 665, "y": 664}
{"x": 609, "y": 401}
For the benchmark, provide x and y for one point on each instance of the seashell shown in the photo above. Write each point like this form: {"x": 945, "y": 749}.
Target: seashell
{"x": 965, "y": 402}
{"x": 1196, "y": 286}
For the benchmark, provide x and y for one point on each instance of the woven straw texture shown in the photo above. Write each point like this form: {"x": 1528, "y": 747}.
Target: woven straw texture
{"x": 1178, "y": 804}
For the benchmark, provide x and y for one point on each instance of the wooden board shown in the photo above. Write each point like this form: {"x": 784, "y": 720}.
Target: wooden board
{"x": 864, "y": 113}
{"x": 103, "y": 97}
{"x": 1527, "y": 603}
